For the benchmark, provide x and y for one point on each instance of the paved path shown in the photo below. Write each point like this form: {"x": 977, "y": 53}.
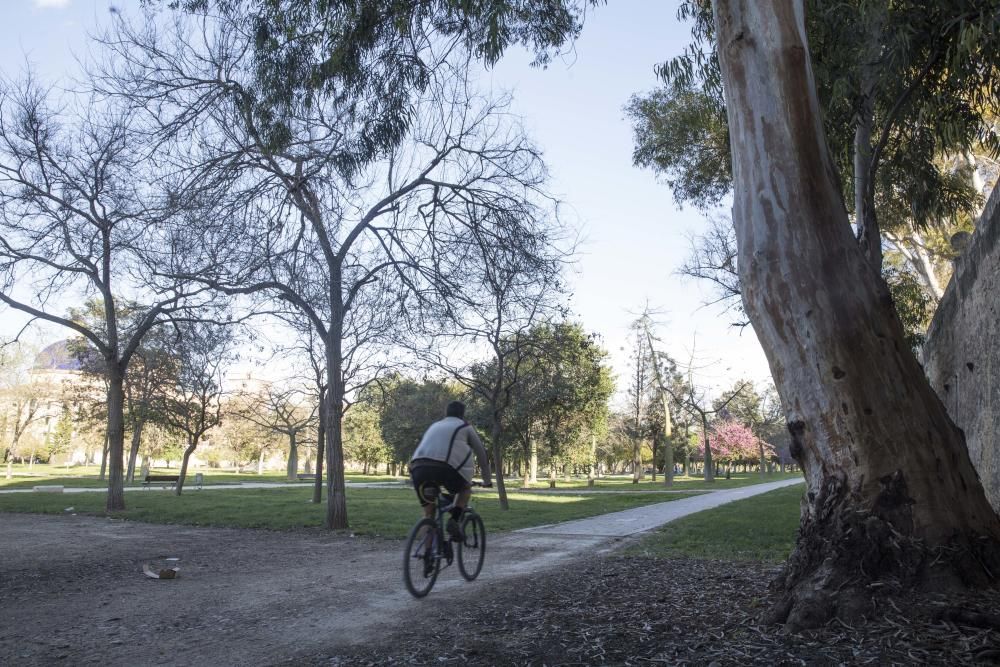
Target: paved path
{"x": 648, "y": 517}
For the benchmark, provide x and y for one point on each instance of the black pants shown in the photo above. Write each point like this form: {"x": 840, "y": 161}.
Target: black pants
{"x": 426, "y": 473}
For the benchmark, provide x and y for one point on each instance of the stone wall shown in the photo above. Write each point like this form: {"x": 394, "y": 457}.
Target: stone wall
{"x": 962, "y": 352}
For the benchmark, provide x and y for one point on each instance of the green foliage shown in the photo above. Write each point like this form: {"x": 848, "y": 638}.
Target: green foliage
{"x": 162, "y": 443}
{"x": 373, "y": 54}
{"x": 60, "y": 439}
{"x": 407, "y": 407}
{"x": 933, "y": 83}
{"x": 762, "y": 528}
{"x": 682, "y": 134}
{"x": 914, "y": 307}
{"x": 245, "y": 439}
{"x": 362, "y": 435}
{"x": 560, "y": 400}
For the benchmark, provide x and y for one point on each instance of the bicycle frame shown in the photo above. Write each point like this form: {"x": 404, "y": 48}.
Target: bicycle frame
{"x": 434, "y": 545}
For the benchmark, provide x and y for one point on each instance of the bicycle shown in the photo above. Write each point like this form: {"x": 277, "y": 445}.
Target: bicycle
{"x": 427, "y": 545}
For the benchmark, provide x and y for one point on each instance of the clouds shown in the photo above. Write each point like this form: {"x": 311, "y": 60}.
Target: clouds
{"x": 51, "y": 4}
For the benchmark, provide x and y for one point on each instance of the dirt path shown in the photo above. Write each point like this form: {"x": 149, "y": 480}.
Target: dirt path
{"x": 71, "y": 588}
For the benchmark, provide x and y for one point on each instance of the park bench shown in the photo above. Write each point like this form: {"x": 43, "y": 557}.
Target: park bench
{"x": 160, "y": 480}
{"x": 306, "y": 475}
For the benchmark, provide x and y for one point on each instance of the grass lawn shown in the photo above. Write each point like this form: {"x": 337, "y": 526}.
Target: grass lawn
{"x": 681, "y": 483}
{"x": 88, "y": 477}
{"x": 761, "y": 528}
{"x": 381, "y": 512}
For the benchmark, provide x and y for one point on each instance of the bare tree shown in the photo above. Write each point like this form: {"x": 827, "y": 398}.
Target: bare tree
{"x": 638, "y": 394}
{"x": 351, "y": 246}
{"x": 284, "y": 411}
{"x": 713, "y": 259}
{"x": 151, "y": 368}
{"x": 21, "y": 400}
{"x": 511, "y": 286}
{"x": 78, "y": 198}
{"x": 696, "y": 403}
{"x": 663, "y": 368}
{"x": 193, "y": 403}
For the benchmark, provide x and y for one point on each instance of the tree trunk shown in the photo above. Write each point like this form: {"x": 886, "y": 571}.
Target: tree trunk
{"x": 133, "y": 451}
{"x": 293, "y": 456}
{"x": 182, "y": 475}
{"x": 336, "y": 496}
{"x": 709, "y": 469}
{"x": 320, "y": 442}
{"x": 592, "y": 461}
{"x": 636, "y": 460}
{"x": 868, "y": 233}
{"x": 763, "y": 458}
{"x": 260, "y": 463}
{"x": 656, "y": 448}
{"x": 668, "y": 446}
{"x": 116, "y": 440}
{"x": 533, "y": 462}
{"x": 913, "y": 248}
{"x": 496, "y": 435}
{"x": 892, "y": 495}
{"x": 104, "y": 458}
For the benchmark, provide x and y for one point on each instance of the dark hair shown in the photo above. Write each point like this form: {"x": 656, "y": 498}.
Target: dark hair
{"x": 456, "y": 409}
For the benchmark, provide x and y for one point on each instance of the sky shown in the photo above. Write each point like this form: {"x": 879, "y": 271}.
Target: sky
{"x": 633, "y": 234}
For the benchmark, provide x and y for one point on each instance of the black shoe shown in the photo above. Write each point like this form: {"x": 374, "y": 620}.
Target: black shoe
{"x": 454, "y": 531}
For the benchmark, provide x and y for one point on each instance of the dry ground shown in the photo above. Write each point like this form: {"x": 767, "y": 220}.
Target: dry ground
{"x": 71, "y": 588}
{"x": 71, "y": 592}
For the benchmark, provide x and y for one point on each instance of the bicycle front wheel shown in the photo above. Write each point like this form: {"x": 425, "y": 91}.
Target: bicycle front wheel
{"x": 420, "y": 561}
{"x": 472, "y": 551}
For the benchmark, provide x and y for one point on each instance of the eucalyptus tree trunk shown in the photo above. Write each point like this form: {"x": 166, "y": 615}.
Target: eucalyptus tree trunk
{"x": 668, "y": 446}
{"x": 892, "y": 494}
{"x": 869, "y": 235}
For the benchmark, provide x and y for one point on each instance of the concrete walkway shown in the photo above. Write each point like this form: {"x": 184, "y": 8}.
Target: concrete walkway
{"x": 648, "y": 517}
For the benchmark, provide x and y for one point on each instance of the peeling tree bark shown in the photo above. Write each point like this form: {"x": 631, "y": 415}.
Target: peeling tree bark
{"x": 892, "y": 494}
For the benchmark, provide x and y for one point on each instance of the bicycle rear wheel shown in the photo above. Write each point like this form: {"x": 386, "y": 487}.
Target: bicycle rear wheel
{"x": 420, "y": 561}
{"x": 472, "y": 551}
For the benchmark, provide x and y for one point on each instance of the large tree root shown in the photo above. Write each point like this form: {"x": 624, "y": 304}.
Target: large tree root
{"x": 847, "y": 557}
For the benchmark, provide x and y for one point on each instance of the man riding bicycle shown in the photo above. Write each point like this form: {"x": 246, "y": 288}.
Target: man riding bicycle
{"x": 444, "y": 458}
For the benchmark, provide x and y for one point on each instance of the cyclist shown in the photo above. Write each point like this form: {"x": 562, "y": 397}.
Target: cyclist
{"x": 444, "y": 458}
